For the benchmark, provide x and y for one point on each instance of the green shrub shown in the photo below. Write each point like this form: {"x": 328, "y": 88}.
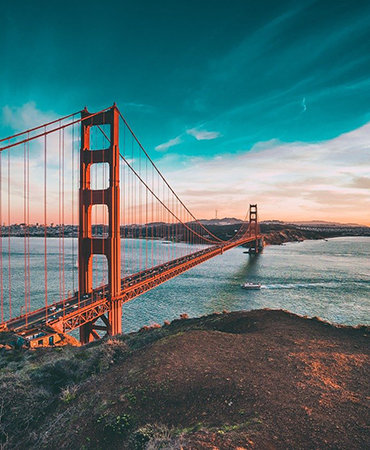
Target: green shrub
{"x": 68, "y": 394}
{"x": 56, "y": 374}
{"x": 131, "y": 398}
{"x": 116, "y": 425}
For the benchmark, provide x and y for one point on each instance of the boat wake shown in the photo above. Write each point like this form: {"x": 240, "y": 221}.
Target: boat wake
{"x": 300, "y": 285}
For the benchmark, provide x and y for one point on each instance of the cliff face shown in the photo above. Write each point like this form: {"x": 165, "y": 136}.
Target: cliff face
{"x": 260, "y": 379}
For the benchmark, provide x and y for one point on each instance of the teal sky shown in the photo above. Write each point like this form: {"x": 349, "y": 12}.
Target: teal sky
{"x": 200, "y": 79}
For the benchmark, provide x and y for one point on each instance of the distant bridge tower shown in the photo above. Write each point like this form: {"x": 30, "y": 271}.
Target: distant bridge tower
{"x": 110, "y": 245}
{"x": 254, "y": 229}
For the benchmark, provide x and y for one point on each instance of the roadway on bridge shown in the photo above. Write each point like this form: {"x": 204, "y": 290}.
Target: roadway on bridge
{"x": 49, "y": 316}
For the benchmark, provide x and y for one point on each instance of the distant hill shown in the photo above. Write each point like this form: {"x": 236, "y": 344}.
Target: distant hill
{"x": 310, "y": 223}
{"x": 313, "y": 223}
{"x": 224, "y": 221}
{"x": 323, "y": 223}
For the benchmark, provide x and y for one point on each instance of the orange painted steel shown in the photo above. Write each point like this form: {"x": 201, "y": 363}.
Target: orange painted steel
{"x": 108, "y": 246}
{"x": 254, "y": 227}
{"x": 46, "y": 132}
{"x": 88, "y": 313}
{"x": 87, "y": 305}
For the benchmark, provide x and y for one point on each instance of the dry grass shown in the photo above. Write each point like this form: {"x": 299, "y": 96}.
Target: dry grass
{"x": 242, "y": 379}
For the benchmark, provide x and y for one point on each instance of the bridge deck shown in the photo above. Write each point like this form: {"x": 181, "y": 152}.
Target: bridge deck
{"x": 71, "y": 313}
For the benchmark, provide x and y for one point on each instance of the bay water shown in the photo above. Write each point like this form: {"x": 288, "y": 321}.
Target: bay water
{"x": 325, "y": 278}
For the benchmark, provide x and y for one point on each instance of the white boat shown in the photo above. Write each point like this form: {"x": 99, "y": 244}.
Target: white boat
{"x": 251, "y": 286}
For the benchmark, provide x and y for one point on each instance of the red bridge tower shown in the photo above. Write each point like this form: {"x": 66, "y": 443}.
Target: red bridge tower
{"x": 254, "y": 229}
{"x": 110, "y": 245}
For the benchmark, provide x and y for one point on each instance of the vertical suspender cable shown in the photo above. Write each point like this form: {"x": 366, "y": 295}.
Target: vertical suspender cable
{"x": 159, "y": 227}
{"x": 1, "y": 243}
{"x": 24, "y": 229}
{"x": 173, "y": 230}
{"x": 28, "y": 226}
{"x": 125, "y": 213}
{"x": 9, "y": 245}
{"x": 162, "y": 220}
{"x": 106, "y": 226}
{"x": 63, "y": 248}
{"x": 78, "y": 183}
{"x": 59, "y": 213}
{"x": 102, "y": 209}
{"x": 140, "y": 220}
{"x": 45, "y": 229}
{"x": 129, "y": 206}
{"x": 90, "y": 232}
{"x": 123, "y": 209}
{"x": 73, "y": 208}
{"x": 95, "y": 234}
{"x": 98, "y": 282}
{"x": 132, "y": 206}
{"x": 94, "y": 208}
{"x": 146, "y": 215}
{"x": 152, "y": 218}
{"x": 135, "y": 214}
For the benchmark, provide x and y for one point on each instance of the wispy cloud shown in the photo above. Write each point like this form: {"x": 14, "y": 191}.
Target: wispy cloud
{"x": 203, "y": 135}
{"x": 25, "y": 116}
{"x": 290, "y": 181}
{"x": 171, "y": 143}
{"x": 304, "y": 106}
{"x": 199, "y": 135}
{"x": 361, "y": 183}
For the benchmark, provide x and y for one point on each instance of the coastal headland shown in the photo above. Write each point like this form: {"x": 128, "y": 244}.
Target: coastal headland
{"x": 263, "y": 379}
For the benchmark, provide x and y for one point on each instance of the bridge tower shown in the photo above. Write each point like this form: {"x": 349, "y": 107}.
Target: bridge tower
{"x": 254, "y": 229}
{"x": 107, "y": 245}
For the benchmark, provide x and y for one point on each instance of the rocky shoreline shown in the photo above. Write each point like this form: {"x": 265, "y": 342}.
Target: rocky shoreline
{"x": 289, "y": 235}
{"x": 277, "y": 235}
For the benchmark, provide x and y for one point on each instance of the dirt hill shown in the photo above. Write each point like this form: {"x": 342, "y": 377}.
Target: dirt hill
{"x": 261, "y": 379}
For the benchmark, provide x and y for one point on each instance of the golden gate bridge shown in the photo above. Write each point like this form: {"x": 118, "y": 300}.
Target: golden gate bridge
{"x": 91, "y": 168}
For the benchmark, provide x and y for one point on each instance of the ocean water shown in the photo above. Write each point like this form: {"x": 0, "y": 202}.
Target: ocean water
{"x": 329, "y": 279}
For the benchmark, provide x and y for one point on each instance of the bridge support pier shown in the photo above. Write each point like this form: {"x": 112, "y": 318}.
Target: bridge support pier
{"x": 115, "y": 317}
{"x": 110, "y": 245}
{"x": 86, "y": 334}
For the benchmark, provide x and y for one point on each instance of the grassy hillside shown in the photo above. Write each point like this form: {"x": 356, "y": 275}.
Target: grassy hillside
{"x": 260, "y": 379}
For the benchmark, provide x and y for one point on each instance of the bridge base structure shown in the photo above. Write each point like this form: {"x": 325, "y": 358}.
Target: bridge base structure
{"x": 108, "y": 246}
{"x": 256, "y": 247}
